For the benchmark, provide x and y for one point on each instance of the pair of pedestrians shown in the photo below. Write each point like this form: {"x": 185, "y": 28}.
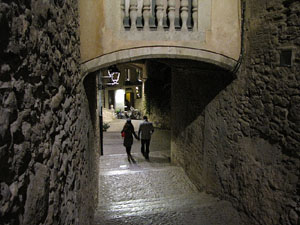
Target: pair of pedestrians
{"x": 144, "y": 134}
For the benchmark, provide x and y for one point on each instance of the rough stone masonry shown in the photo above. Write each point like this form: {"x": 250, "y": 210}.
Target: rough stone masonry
{"x": 240, "y": 142}
{"x": 47, "y": 157}
{"x": 243, "y": 144}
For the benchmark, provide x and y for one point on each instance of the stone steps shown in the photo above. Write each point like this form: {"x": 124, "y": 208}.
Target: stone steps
{"x": 114, "y": 162}
{"x": 184, "y": 209}
{"x": 155, "y": 205}
{"x": 155, "y": 193}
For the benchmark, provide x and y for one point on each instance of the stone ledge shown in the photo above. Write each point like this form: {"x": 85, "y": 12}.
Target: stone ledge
{"x": 164, "y": 35}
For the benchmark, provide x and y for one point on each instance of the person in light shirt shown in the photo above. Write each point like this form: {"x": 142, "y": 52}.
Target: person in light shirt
{"x": 145, "y": 132}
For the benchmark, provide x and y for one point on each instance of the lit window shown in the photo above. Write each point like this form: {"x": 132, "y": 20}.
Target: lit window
{"x": 127, "y": 71}
{"x": 138, "y": 91}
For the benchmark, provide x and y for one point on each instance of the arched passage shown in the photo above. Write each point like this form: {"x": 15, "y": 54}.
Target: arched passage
{"x": 166, "y": 52}
{"x": 177, "y": 90}
{"x": 171, "y": 58}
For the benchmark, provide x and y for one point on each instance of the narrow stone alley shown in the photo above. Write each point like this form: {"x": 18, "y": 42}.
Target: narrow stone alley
{"x": 221, "y": 75}
{"x": 154, "y": 192}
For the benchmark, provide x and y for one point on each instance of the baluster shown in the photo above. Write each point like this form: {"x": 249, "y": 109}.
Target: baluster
{"x": 146, "y": 14}
{"x": 122, "y": 12}
{"x": 139, "y": 20}
{"x": 171, "y": 14}
{"x": 125, "y": 13}
{"x": 184, "y": 14}
{"x": 165, "y": 17}
{"x": 127, "y": 6}
{"x": 195, "y": 15}
{"x": 159, "y": 14}
{"x": 133, "y": 13}
{"x": 152, "y": 18}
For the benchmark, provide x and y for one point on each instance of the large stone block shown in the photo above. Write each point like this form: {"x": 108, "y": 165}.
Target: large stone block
{"x": 37, "y": 197}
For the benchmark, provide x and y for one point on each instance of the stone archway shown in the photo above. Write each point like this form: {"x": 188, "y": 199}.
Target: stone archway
{"x": 168, "y": 52}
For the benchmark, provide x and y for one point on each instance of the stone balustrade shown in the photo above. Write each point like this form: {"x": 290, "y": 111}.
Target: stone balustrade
{"x": 160, "y": 15}
{"x": 128, "y": 30}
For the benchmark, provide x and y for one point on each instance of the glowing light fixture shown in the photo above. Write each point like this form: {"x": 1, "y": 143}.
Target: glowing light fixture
{"x": 114, "y": 75}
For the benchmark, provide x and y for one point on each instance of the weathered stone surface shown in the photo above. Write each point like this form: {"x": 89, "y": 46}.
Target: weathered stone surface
{"x": 57, "y": 99}
{"x": 22, "y": 157}
{"x": 4, "y": 121}
{"x": 5, "y": 200}
{"x": 249, "y": 150}
{"x": 43, "y": 116}
{"x": 36, "y": 206}
{"x": 295, "y": 108}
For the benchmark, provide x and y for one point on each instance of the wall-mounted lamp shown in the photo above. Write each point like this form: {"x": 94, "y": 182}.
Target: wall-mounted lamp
{"x": 114, "y": 75}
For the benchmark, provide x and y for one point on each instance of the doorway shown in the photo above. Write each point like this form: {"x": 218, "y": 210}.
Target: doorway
{"x": 129, "y": 99}
{"x": 111, "y": 99}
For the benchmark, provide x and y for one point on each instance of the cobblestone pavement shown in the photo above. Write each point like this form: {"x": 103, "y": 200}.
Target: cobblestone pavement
{"x": 152, "y": 192}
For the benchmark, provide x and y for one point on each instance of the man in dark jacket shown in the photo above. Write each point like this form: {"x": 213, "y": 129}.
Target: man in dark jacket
{"x": 145, "y": 131}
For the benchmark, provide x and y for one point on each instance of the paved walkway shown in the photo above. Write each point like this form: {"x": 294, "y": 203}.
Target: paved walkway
{"x": 113, "y": 143}
{"x": 155, "y": 192}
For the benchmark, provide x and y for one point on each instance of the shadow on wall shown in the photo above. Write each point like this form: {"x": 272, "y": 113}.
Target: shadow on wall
{"x": 158, "y": 93}
{"x": 90, "y": 86}
{"x": 194, "y": 86}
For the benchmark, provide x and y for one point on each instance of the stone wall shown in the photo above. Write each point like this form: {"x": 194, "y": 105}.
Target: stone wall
{"x": 194, "y": 86}
{"x": 243, "y": 145}
{"x": 46, "y": 137}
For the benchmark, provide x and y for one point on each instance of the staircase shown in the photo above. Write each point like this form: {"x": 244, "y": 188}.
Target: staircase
{"x": 155, "y": 192}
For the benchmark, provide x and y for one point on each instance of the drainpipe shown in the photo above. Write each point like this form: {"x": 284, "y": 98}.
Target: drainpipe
{"x": 239, "y": 62}
{"x": 100, "y": 88}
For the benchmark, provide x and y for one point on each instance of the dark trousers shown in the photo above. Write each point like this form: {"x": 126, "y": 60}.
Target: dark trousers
{"x": 130, "y": 158}
{"x": 146, "y": 143}
{"x": 128, "y": 150}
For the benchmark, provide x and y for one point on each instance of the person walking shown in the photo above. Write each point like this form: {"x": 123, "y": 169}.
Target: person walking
{"x": 145, "y": 131}
{"x": 127, "y": 132}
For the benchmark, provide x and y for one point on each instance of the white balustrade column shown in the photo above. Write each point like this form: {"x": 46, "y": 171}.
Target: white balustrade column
{"x": 146, "y": 14}
{"x": 122, "y": 12}
{"x": 184, "y": 14}
{"x": 139, "y": 22}
{"x": 171, "y": 14}
{"x": 160, "y": 14}
{"x": 133, "y": 13}
{"x": 195, "y": 14}
{"x": 165, "y": 17}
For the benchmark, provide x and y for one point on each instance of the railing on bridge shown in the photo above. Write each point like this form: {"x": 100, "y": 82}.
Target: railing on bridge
{"x": 160, "y": 15}
{"x": 203, "y": 30}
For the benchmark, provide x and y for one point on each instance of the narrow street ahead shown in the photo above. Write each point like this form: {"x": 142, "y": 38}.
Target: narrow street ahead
{"x": 154, "y": 192}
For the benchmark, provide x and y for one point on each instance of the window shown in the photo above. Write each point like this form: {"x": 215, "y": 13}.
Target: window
{"x": 138, "y": 91}
{"x": 127, "y": 73}
{"x": 139, "y": 75}
{"x": 286, "y": 57}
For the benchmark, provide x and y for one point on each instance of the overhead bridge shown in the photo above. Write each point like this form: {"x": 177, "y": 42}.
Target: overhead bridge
{"x": 128, "y": 30}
